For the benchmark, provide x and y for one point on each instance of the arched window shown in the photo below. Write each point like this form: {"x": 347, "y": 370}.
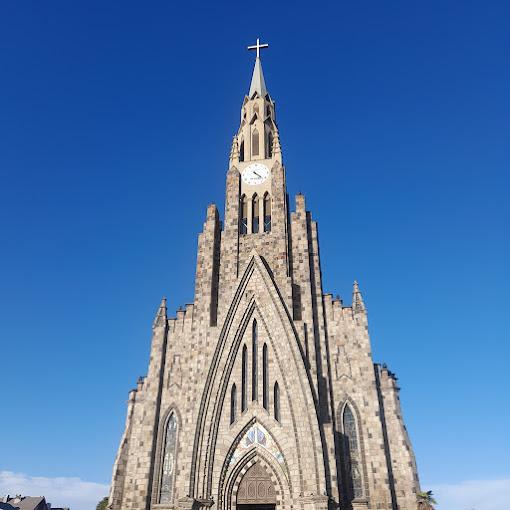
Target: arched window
{"x": 255, "y": 219}
{"x": 256, "y": 108}
{"x": 254, "y": 368}
{"x": 243, "y": 206}
{"x": 268, "y": 111}
{"x": 270, "y": 145}
{"x": 352, "y": 461}
{"x": 276, "y": 401}
{"x": 267, "y": 213}
{"x": 167, "y": 478}
{"x": 265, "y": 382}
{"x": 255, "y": 143}
{"x": 241, "y": 151}
{"x": 233, "y": 404}
{"x": 243, "y": 379}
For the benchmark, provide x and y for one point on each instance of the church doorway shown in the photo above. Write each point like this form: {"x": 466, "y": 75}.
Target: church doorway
{"x": 256, "y": 491}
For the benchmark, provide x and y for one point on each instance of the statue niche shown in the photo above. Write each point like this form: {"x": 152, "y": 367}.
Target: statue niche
{"x": 256, "y": 491}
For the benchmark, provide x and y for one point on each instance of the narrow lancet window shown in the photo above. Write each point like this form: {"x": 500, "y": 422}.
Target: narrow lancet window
{"x": 265, "y": 381}
{"x": 254, "y": 368}
{"x": 270, "y": 145}
{"x": 167, "y": 478}
{"x": 243, "y": 379}
{"x": 255, "y": 219}
{"x": 267, "y": 213}
{"x": 276, "y": 401}
{"x": 243, "y": 227}
{"x": 255, "y": 143}
{"x": 352, "y": 455}
{"x": 233, "y": 404}
{"x": 241, "y": 151}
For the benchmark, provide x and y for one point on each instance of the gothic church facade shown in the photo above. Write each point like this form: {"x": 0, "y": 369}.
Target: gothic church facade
{"x": 262, "y": 393}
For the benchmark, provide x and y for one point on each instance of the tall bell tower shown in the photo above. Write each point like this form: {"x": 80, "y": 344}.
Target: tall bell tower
{"x": 256, "y": 202}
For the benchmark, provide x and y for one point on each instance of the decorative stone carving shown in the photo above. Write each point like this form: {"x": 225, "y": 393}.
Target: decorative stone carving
{"x": 315, "y": 502}
{"x": 256, "y": 487}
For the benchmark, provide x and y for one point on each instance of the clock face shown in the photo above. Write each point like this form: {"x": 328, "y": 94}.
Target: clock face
{"x": 256, "y": 173}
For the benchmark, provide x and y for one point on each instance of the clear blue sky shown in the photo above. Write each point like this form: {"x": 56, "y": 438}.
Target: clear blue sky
{"x": 115, "y": 131}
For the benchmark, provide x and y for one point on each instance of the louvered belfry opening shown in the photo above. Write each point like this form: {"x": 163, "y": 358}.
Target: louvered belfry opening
{"x": 256, "y": 491}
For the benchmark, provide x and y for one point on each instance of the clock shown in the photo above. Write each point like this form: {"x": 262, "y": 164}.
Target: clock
{"x": 254, "y": 174}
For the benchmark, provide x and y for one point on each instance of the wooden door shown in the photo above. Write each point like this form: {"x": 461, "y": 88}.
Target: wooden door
{"x": 256, "y": 488}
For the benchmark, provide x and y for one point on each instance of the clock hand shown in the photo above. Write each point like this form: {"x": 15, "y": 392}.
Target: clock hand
{"x": 257, "y": 174}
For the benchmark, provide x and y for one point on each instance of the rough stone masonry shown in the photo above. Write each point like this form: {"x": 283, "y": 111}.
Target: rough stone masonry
{"x": 262, "y": 393}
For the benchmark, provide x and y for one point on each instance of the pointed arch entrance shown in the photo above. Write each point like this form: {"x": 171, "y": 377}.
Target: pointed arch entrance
{"x": 257, "y": 490}
{"x": 256, "y": 447}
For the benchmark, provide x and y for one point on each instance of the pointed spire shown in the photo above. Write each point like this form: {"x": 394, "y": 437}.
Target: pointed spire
{"x": 234, "y": 151}
{"x": 257, "y": 80}
{"x": 161, "y": 316}
{"x": 277, "y": 148}
{"x": 357, "y": 301}
{"x": 162, "y": 308}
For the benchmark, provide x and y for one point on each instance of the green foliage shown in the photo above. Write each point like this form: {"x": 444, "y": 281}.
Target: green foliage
{"x": 425, "y": 501}
{"x": 102, "y": 504}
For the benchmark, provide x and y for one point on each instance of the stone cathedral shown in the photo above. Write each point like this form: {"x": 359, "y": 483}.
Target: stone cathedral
{"x": 262, "y": 393}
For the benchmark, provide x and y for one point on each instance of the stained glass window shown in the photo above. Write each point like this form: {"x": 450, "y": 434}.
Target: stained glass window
{"x": 352, "y": 455}
{"x": 254, "y": 368}
{"x": 265, "y": 382}
{"x": 243, "y": 380}
{"x": 258, "y": 436}
{"x": 167, "y": 480}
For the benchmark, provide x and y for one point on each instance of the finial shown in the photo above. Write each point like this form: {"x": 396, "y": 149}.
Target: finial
{"x": 258, "y": 47}
{"x": 357, "y": 301}
{"x": 234, "y": 151}
{"x": 160, "y": 319}
{"x": 277, "y": 149}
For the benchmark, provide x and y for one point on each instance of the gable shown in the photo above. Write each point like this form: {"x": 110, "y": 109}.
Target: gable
{"x": 257, "y": 295}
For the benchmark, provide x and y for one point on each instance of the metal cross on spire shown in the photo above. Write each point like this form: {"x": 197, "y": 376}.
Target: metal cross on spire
{"x": 258, "y": 47}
